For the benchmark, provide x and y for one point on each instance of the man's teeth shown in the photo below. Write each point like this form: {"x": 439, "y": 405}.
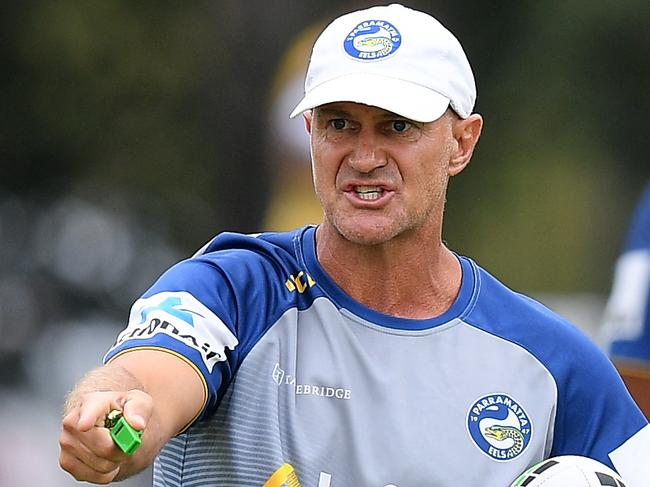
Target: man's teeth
{"x": 368, "y": 192}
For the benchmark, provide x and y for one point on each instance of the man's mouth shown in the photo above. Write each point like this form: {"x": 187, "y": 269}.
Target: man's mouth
{"x": 368, "y": 193}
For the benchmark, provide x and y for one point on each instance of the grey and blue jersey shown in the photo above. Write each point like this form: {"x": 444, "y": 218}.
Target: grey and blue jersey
{"x": 297, "y": 372}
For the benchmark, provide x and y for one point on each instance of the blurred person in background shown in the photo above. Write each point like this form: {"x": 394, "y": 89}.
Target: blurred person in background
{"x": 292, "y": 201}
{"x": 361, "y": 351}
{"x": 625, "y": 333}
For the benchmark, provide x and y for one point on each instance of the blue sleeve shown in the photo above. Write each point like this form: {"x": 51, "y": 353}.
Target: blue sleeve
{"x": 595, "y": 412}
{"x": 210, "y": 311}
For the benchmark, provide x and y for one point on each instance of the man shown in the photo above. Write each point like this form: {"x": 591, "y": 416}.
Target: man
{"x": 362, "y": 352}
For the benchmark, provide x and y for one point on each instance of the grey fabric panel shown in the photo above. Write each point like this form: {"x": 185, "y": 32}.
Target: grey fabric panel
{"x": 371, "y": 406}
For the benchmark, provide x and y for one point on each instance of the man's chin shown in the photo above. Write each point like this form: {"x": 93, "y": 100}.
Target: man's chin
{"x": 367, "y": 235}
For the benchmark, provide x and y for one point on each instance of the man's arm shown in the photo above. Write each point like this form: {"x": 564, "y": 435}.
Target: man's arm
{"x": 157, "y": 392}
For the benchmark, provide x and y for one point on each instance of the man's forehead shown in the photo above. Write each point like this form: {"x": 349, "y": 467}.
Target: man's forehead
{"x": 348, "y": 108}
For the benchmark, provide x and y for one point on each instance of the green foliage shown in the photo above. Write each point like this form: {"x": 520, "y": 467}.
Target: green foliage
{"x": 164, "y": 100}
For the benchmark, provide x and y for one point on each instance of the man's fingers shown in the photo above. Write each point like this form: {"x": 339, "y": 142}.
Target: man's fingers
{"x": 94, "y": 408}
{"x": 77, "y": 459}
{"x": 94, "y": 447}
{"x": 137, "y": 409}
{"x": 88, "y": 451}
{"x": 83, "y": 472}
{"x": 71, "y": 420}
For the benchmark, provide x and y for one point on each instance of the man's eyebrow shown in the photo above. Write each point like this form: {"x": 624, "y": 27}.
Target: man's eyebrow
{"x": 331, "y": 111}
{"x": 341, "y": 112}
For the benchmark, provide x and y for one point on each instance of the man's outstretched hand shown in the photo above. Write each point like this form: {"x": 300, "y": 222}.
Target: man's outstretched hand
{"x": 88, "y": 451}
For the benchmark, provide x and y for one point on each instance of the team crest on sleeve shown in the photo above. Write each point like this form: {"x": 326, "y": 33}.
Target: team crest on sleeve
{"x": 372, "y": 40}
{"x": 184, "y": 318}
{"x": 499, "y": 426}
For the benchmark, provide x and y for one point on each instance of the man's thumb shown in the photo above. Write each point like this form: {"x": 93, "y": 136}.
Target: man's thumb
{"x": 137, "y": 409}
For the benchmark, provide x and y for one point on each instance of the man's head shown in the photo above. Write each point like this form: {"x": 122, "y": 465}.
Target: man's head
{"x": 390, "y": 57}
{"x": 388, "y": 103}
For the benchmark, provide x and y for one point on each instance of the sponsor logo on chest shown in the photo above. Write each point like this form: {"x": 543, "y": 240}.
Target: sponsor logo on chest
{"x": 281, "y": 378}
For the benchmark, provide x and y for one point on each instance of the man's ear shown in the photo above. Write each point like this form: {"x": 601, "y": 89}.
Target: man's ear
{"x": 308, "y": 116}
{"x": 466, "y": 131}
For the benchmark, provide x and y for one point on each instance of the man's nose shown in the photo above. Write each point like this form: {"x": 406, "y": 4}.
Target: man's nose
{"x": 367, "y": 154}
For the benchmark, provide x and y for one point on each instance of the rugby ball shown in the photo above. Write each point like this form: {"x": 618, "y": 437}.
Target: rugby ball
{"x": 569, "y": 471}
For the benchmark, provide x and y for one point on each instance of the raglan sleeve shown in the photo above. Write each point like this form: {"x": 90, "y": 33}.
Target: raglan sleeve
{"x": 597, "y": 417}
{"x": 190, "y": 312}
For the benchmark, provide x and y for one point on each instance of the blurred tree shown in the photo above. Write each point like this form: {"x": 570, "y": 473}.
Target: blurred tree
{"x": 165, "y": 103}
{"x": 561, "y": 160}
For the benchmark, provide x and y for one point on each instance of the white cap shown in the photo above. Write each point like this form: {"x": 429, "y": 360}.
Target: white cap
{"x": 391, "y": 57}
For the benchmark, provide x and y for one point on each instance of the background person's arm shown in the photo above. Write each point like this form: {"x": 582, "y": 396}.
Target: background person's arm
{"x": 157, "y": 392}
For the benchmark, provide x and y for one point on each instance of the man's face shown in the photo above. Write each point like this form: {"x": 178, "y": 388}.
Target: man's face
{"x": 378, "y": 175}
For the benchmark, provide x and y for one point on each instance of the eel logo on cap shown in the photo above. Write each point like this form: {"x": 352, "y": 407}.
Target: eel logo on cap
{"x": 372, "y": 40}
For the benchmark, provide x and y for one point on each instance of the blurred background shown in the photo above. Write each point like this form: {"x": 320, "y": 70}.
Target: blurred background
{"x": 132, "y": 132}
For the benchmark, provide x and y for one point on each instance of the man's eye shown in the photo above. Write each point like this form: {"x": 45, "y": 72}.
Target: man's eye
{"x": 401, "y": 125}
{"x": 338, "y": 123}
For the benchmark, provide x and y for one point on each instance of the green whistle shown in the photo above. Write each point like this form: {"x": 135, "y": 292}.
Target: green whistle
{"x": 124, "y": 435}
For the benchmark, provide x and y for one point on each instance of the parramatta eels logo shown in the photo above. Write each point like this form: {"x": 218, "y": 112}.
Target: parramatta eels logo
{"x": 372, "y": 40}
{"x": 499, "y": 426}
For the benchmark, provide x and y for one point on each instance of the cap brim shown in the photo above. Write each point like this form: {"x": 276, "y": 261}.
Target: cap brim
{"x": 401, "y": 97}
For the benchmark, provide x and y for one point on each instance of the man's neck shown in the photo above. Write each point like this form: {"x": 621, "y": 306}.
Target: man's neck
{"x": 407, "y": 277}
